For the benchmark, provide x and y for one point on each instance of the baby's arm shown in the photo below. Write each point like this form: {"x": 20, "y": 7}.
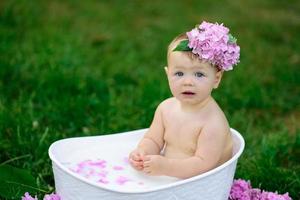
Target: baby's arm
{"x": 210, "y": 147}
{"x": 152, "y": 142}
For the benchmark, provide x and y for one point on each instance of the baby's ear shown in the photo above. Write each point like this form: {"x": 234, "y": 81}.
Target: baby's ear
{"x": 218, "y": 78}
{"x": 166, "y": 69}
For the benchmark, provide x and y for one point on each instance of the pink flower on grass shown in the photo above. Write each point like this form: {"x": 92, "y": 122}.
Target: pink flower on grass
{"x": 28, "y": 197}
{"x": 239, "y": 190}
{"x": 274, "y": 196}
{"x": 242, "y": 190}
{"x": 255, "y": 194}
{"x": 51, "y": 197}
{"x": 46, "y": 197}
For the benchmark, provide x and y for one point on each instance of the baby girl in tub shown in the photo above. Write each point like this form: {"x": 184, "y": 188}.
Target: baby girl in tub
{"x": 189, "y": 134}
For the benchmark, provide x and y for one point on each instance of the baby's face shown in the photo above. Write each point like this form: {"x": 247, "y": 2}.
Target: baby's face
{"x": 191, "y": 80}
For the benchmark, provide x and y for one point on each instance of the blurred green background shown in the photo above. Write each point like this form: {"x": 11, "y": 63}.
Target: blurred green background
{"x": 77, "y": 68}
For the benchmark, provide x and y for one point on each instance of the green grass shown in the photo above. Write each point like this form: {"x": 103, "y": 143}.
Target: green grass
{"x": 74, "y": 68}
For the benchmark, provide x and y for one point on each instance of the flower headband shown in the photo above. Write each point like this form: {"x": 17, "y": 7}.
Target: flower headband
{"x": 214, "y": 43}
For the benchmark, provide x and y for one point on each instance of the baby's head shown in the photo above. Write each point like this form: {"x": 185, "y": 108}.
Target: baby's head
{"x": 189, "y": 54}
{"x": 209, "y": 42}
{"x": 197, "y": 60}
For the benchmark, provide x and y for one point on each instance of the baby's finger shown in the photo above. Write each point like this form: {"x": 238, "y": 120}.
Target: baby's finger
{"x": 140, "y": 167}
{"x": 134, "y": 161}
{"x": 147, "y": 170}
{"x": 146, "y": 158}
{"x": 142, "y": 153}
{"x": 136, "y": 157}
{"x": 132, "y": 155}
{"x": 146, "y": 164}
{"x": 140, "y": 156}
{"x": 137, "y": 166}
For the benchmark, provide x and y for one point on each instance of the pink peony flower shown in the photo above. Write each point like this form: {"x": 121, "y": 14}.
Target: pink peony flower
{"x": 28, "y": 197}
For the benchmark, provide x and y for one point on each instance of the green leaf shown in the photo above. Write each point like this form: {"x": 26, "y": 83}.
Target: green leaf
{"x": 14, "y": 182}
{"x": 231, "y": 39}
{"x": 183, "y": 46}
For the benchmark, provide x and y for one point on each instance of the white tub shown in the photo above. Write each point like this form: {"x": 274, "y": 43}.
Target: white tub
{"x": 212, "y": 185}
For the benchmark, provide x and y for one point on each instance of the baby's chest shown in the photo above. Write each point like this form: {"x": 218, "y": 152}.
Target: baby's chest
{"x": 182, "y": 131}
{"x": 183, "y": 135}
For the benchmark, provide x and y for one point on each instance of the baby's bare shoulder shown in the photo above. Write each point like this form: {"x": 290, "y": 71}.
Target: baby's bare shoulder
{"x": 167, "y": 104}
{"x": 216, "y": 123}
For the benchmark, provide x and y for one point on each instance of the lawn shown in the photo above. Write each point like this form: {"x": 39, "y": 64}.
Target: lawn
{"x": 77, "y": 68}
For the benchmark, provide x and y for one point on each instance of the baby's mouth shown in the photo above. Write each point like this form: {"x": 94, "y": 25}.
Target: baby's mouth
{"x": 188, "y": 93}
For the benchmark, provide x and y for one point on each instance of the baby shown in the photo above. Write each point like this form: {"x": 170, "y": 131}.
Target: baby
{"x": 189, "y": 134}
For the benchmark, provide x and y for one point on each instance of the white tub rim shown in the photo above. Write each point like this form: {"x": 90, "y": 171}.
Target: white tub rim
{"x": 154, "y": 189}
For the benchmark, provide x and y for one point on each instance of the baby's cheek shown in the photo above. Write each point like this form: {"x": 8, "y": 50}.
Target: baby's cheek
{"x": 174, "y": 90}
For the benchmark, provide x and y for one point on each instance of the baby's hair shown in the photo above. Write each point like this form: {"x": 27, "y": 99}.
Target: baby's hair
{"x": 190, "y": 54}
{"x": 180, "y": 37}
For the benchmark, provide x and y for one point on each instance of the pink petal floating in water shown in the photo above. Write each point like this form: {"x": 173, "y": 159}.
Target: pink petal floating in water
{"x": 118, "y": 167}
{"x": 78, "y": 170}
{"x": 126, "y": 160}
{"x": 102, "y": 173}
{"x": 103, "y": 180}
{"x": 121, "y": 180}
{"x": 83, "y": 164}
{"x": 91, "y": 172}
{"x": 71, "y": 169}
{"x": 101, "y": 163}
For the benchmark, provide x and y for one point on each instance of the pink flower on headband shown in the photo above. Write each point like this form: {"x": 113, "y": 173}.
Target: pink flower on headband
{"x": 214, "y": 43}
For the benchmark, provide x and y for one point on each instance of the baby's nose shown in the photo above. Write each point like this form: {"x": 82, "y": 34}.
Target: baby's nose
{"x": 188, "y": 81}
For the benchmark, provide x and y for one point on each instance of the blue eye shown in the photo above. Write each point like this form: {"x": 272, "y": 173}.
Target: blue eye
{"x": 179, "y": 74}
{"x": 199, "y": 74}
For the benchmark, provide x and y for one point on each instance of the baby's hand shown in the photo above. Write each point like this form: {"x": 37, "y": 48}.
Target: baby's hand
{"x": 154, "y": 165}
{"x": 136, "y": 159}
